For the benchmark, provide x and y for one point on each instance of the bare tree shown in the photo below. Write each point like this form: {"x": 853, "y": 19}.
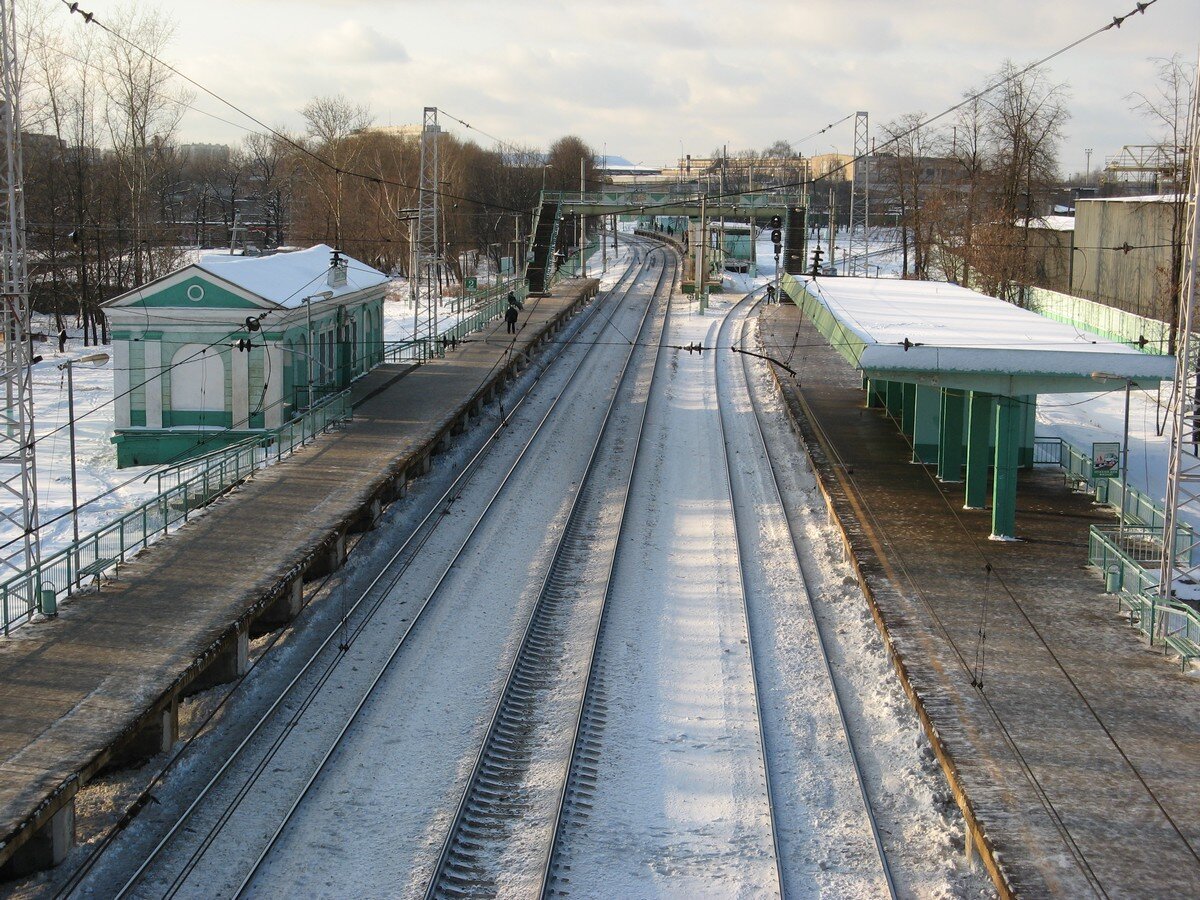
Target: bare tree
{"x": 1023, "y": 123}
{"x": 331, "y": 124}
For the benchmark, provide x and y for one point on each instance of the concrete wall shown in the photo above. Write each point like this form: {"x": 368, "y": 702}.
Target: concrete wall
{"x": 1137, "y": 281}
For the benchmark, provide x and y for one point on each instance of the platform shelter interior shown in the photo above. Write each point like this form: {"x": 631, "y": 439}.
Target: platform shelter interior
{"x": 960, "y": 372}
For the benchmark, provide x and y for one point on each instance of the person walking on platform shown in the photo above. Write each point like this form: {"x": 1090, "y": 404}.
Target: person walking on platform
{"x": 510, "y": 314}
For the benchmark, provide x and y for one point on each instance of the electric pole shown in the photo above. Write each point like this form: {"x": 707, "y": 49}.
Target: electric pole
{"x": 18, "y": 476}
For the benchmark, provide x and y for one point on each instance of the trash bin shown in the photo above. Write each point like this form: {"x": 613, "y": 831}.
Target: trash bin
{"x": 48, "y": 601}
{"x": 1112, "y": 579}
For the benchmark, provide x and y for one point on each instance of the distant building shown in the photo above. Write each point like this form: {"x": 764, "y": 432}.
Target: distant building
{"x": 181, "y": 384}
{"x": 205, "y": 153}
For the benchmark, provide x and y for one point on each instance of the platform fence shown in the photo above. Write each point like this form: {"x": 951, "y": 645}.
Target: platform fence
{"x": 1128, "y": 554}
{"x": 183, "y": 490}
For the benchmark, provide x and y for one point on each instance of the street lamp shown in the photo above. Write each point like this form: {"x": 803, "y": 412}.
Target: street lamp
{"x": 544, "y": 168}
{"x": 96, "y": 359}
{"x": 307, "y": 301}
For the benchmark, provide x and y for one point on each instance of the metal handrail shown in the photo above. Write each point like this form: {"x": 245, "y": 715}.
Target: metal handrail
{"x": 114, "y": 543}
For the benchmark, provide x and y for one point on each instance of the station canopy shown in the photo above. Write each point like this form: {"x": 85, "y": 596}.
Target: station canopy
{"x": 943, "y": 335}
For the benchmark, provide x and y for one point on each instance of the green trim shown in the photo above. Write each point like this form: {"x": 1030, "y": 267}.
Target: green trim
{"x": 176, "y": 296}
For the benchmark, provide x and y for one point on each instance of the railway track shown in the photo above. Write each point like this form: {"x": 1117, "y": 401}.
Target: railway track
{"x": 575, "y": 810}
{"x": 322, "y": 669}
{"x": 501, "y": 794}
{"x": 733, "y": 332}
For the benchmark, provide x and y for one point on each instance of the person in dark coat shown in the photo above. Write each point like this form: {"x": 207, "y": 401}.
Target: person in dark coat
{"x": 510, "y": 318}
{"x": 62, "y": 339}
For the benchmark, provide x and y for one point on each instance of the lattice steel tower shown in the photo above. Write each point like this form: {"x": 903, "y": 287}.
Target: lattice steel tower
{"x": 18, "y": 475}
{"x": 425, "y": 280}
{"x": 1183, "y": 475}
{"x": 860, "y": 196}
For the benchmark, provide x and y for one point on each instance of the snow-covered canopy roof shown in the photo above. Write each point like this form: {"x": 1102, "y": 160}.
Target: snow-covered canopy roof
{"x": 285, "y": 279}
{"x": 935, "y": 333}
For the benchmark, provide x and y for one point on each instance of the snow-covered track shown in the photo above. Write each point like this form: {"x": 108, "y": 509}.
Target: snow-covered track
{"x": 669, "y": 651}
{"x": 732, "y": 334}
{"x": 525, "y": 731}
{"x": 295, "y": 698}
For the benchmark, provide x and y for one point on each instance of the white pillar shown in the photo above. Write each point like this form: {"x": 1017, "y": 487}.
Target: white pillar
{"x": 154, "y": 384}
{"x": 273, "y": 401}
{"x": 240, "y": 402}
{"x": 121, "y": 414}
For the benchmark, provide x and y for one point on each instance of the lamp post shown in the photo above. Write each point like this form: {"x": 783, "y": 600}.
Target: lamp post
{"x": 323, "y": 295}
{"x": 97, "y": 359}
{"x": 1129, "y": 383}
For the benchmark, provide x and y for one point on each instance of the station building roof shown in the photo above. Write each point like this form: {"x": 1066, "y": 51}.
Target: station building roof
{"x": 281, "y": 280}
{"x": 941, "y": 334}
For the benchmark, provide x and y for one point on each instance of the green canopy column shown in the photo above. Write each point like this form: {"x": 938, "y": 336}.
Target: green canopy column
{"x": 927, "y": 418}
{"x": 1010, "y": 413}
{"x": 908, "y": 415}
{"x": 876, "y": 393}
{"x": 978, "y": 448}
{"x": 950, "y": 437}
{"x": 894, "y": 398}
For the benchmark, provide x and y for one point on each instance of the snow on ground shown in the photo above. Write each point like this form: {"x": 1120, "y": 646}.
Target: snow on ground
{"x": 104, "y": 491}
{"x": 680, "y": 805}
{"x": 1084, "y": 419}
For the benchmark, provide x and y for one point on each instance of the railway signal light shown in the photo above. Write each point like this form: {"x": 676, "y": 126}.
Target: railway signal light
{"x": 776, "y": 222}
{"x": 777, "y": 237}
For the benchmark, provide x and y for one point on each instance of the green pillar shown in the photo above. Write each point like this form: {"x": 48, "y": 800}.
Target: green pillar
{"x": 950, "y": 437}
{"x": 894, "y": 398}
{"x": 909, "y": 413}
{"x": 1009, "y": 416}
{"x": 876, "y": 390}
{"x": 927, "y": 418}
{"x": 978, "y": 448}
{"x": 1028, "y": 429}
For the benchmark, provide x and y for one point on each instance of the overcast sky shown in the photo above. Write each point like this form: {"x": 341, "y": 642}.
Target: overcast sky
{"x": 642, "y": 76}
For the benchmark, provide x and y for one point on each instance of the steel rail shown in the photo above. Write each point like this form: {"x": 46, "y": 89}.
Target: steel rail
{"x": 422, "y": 530}
{"x": 311, "y": 781}
{"x": 475, "y": 796}
{"x": 822, "y": 640}
{"x": 727, "y": 468}
{"x": 580, "y": 731}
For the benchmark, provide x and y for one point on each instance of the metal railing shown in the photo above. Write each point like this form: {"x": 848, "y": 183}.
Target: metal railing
{"x": 189, "y": 487}
{"x": 1128, "y": 554}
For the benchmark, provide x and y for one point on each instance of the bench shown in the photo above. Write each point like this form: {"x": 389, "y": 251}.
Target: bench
{"x": 1186, "y": 649}
{"x": 96, "y": 569}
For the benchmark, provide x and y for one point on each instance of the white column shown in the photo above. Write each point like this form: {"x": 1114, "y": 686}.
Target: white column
{"x": 273, "y": 401}
{"x": 241, "y": 388}
{"x": 121, "y": 418}
{"x": 154, "y": 385}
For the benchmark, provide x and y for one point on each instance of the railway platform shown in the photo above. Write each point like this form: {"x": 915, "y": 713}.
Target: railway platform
{"x": 100, "y": 686}
{"x": 1069, "y": 744}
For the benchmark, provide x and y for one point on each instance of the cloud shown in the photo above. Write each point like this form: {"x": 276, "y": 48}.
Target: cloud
{"x": 353, "y": 42}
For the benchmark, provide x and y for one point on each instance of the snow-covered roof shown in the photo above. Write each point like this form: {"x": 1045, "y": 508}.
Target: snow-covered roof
{"x": 287, "y": 278}
{"x": 885, "y": 324}
{"x": 1145, "y": 198}
{"x": 1053, "y": 223}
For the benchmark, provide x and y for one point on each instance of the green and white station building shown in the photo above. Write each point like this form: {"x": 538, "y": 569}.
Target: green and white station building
{"x": 226, "y": 348}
